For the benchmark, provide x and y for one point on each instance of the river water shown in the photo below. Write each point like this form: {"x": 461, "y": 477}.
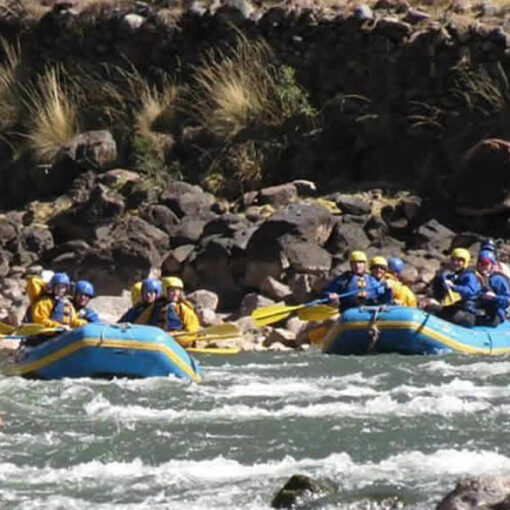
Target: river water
{"x": 387, "y": 431}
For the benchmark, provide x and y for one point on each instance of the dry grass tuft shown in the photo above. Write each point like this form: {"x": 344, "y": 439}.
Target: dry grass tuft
{"x": 52, "y": 114}
{"x": 235, "y": 89}
{"x": 9, "y": 103}
{"x": 157, "y": 111}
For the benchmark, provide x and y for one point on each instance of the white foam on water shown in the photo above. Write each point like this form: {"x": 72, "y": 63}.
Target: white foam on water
{"x": 220, "y": 480}
{"x": 480, "y": 369}
{"x": 101, "y": 408}
{"x": 456, "y": 387}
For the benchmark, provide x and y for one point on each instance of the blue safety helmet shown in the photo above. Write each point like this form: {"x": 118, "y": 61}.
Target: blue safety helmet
{"x": 84, "y": 287}
{"x": 488, "y": 245}
{"x": 487, "y": 256}
{"x": 59, "y": 279}
{"x": 395, "y": 264}
{"x": 151, "y": 285}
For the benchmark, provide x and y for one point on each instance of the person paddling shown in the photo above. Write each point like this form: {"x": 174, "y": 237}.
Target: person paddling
{"x": 402, "y": 294}
{"x": 54, "y": 309}
{"x": 144, "y": 311}
{"x": 361, "y": 287}
{"x": 495, "y": 295}
{"x": 457, "y": 290}
{"x": 83, "y": 293}
{"x": 176, "y": 314}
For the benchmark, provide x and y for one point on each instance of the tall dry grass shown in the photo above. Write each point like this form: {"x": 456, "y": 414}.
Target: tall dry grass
{"x": 157, "y": 112}
{"x": 52, "y": 114}
{"x": 9, "y": 103}
{"x": 236, "y": 88}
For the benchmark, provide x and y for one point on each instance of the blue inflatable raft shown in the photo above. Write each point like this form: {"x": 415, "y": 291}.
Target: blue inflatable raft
{"x": 368, "y": 330}
{"x": 101, "y": 350}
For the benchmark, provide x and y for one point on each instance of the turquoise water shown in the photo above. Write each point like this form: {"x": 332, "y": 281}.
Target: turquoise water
{"x": 388, "y": 431}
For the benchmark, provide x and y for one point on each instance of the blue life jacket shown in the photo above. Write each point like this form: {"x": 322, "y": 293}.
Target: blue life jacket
{"x": 500, "y": 285}
{"x": 62, "y": 310}
{"x": 364, "y": 288}
{"x": 173, "y": 321}
{"x": 467, "y": 285}
{"x": 133, "y": 313}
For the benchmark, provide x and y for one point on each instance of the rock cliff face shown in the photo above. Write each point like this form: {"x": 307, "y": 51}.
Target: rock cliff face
{"x": 384, "y": 99}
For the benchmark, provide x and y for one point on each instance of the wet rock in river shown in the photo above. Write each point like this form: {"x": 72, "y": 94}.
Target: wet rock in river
{"x": 482, "y": 493}
{"x": 299, "y": 488}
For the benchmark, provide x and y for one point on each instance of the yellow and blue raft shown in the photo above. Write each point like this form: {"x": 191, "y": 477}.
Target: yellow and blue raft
{"x": 102, "y": 350}
{"x": 404, "y": 330}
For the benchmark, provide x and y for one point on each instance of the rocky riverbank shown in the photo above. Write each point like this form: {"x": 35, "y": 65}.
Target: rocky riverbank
{"x": 382, "y": 127}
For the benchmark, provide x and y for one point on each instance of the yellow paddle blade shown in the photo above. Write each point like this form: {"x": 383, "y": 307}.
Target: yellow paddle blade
{"x": 6, "y": 329}
{"x": 451, "y": 298}
{"x": 317, "y": 313}
{"x": 221, "y": 330}
{"x": 33, "y": 329}
{"x": 274, "y": 313}
{"x": 214, "y": 350}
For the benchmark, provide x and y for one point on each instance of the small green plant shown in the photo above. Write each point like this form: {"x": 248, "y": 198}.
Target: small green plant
{"x": 293, "y": 98}
{"x": 150, "y": 160}
{"x": 479, "y": 91}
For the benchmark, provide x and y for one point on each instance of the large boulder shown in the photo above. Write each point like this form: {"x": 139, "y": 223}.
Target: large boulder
{"x": 85, "y": 220}
{"x": 347, "y": 236}
{"x": 482, "y": 493}
{"x": 434, "y": 237}
{"x": 306, "y": 257}
{"x": 307, "y": 221}
{"x": 185, "y": 199}
{"x": 300, "y": 489}
{"x": 482, "y": 178}
{"x": 160, "y": 216}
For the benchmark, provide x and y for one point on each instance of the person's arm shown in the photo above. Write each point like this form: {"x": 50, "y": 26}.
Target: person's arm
{"x": 91, "y": 315}
{"x": 468, "y": 286}
{"x": 41, "y": 313}
{"x": 75, "y": 321}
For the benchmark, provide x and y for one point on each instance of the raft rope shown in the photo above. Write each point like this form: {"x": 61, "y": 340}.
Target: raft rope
{"x": 373, "y": 331}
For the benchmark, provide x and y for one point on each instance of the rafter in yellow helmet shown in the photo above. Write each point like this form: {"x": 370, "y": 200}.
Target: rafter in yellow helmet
{"x": 358, "y": 256}
{"x": 462, "y": 253}
{"x": 378, "y": 261}
{"x": 171, "y": 281}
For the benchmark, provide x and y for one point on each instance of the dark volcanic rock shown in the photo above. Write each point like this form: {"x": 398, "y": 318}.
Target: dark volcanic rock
{"x": 299, "y": 488}
{"x": 482, "y": 178}
{"x": 434, "y": 237}
{"x": 92, "y": 149}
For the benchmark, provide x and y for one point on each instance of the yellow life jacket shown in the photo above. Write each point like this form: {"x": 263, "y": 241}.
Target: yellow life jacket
{"x": 35, "y": 288}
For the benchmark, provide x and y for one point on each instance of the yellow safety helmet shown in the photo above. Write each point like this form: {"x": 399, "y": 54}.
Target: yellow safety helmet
{"x": 171, "y": 281}
{"x": 461, "y": 253}
{"x": 357, "y": 256}
{"x": 136, "y": 293}
{"x": 378, "y": 261}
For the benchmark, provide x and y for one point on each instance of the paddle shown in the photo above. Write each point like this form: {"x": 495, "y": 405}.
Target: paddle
{"x": 214, "y": 350}
{"x": 274, "y": 313}
{"x": 227, "y": 330}
{"x": 6, "y": 329}
{"x": 33, "y": 329}
{"x": 317, "y": 313}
